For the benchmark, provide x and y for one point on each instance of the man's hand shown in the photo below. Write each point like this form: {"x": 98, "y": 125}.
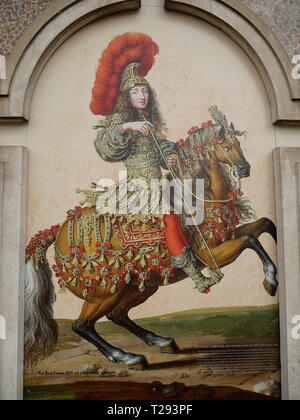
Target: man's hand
{"x": 172, "y": 161}
{"x": 138, "y": 126}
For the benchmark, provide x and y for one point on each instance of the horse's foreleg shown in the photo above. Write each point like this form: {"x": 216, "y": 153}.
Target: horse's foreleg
{"x": 229, "y": 251}
{"x": 270, "y": 282}
{"x": 133, "y": 298}
{"x": 263, "y": 225}
{"x": 85, "y": 328}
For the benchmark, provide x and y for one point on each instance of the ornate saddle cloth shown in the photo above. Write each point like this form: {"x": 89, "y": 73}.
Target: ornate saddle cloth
{"x": 95, "y": 250}
{"x": 139, "y": 230}
{"x": 133, "y": 230}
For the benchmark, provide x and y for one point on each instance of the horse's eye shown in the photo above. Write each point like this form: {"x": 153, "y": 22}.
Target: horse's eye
{"x": 227, "y": 149}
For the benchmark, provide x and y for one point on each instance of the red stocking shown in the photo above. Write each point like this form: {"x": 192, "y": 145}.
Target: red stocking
{"x": 175, "y": 237}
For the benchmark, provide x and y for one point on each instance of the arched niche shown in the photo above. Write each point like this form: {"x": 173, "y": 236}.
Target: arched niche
{"x": 62, "y": 19}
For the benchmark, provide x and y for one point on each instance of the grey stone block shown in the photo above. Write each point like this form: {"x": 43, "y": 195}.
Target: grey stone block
{"x": 13, "y": 190}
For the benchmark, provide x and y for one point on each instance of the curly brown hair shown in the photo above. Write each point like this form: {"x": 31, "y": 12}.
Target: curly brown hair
{"x": 129, "y": 113}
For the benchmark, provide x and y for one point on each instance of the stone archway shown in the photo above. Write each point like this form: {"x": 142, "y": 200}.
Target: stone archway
{"x": 62, "y": 20}
{"x": 59, "y": 22}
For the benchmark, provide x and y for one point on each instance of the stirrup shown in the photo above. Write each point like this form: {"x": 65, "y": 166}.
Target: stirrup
{"x": 188, "y": 263}
{"x": 215, "y": 274}
{"x": 205, "y": 283}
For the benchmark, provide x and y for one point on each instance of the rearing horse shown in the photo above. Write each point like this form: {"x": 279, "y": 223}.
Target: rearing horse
{"x": 93, "y": 265}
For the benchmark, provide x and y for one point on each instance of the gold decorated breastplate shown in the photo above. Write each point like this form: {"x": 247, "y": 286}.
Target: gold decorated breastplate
{"x": 144, "y": 159}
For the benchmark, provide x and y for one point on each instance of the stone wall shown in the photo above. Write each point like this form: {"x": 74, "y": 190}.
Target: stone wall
{"x": 282, "y": 16}
{"x": 60, "y": 126}
{"x": 15, "y": 17}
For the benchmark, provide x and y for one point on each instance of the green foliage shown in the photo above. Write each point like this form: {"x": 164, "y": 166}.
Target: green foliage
{"x": 256, "y": 323}
{"x": 230, "y": 323}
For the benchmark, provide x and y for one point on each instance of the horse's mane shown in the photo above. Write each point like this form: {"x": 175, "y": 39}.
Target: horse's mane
{"x": 194, "y": 157}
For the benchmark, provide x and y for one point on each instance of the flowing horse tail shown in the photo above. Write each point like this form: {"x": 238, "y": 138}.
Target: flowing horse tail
{"x": 41, "y": 331}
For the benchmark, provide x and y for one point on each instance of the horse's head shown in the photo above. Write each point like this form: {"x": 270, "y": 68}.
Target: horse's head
{"x": 228, "y": 151}
{"x": 214, "y": 140}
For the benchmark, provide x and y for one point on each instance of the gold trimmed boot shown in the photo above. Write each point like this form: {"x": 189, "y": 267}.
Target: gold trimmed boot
{"x": 187, "y": 261}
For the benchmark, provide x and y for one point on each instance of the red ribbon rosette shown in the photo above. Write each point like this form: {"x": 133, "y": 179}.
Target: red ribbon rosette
{"x": 77, "y": 271}
{"x": 181, "y": 143}
{"x": 166, "y": 274}
{"x": 103, "y": 249}
{"x": 103, "y": 272}
{"x": 77, "y": 251}
{"x": 74, "y": 214}
{"x": 155, "y": 262}
{"x": 89, "y": 283}
{"x": 128, "y": 267}
{"x": 143, "y": 276}
{"x": 58, "y": 270}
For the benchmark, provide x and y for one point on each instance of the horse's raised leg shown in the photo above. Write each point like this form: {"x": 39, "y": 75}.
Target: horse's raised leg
{"x": 134, "y": 297}
{"x": 263, "y": 225}
{"x": 229, "y": 251}
{"x": 270, "y": 282}
{"x": 85, "y": 328}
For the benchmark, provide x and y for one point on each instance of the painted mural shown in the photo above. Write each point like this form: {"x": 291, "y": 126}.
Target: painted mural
{"x": 155, "y": 227}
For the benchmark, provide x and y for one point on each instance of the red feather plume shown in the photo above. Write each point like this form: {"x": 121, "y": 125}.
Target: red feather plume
{"x": 131, "y": 47}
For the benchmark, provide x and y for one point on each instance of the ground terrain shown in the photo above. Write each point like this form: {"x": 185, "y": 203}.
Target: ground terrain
{"x": 224, "y": 353}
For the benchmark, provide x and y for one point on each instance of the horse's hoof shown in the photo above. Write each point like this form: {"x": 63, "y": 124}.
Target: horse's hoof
{"x": 140, "y": 365}
{"x": 271, "y": 289}
{"x": 170, "y": 348}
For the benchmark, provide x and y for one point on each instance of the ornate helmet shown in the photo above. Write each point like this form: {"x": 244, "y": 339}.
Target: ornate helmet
{"x": 123, "y": 64}
{"x": 131, "y": 78}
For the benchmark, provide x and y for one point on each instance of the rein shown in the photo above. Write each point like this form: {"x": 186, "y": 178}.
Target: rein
{"x": 176, "y": 182}
{"x": 203, "y": 199}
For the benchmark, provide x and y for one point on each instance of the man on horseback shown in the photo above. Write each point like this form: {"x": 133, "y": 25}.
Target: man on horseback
{"x": 133, "y": 132}
{"x": 100, "y": 259}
